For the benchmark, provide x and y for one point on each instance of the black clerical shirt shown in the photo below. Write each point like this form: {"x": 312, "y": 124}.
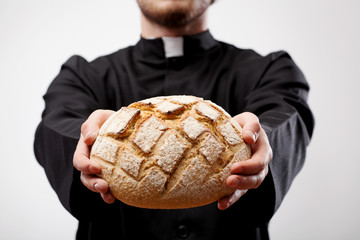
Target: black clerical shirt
{"x": 272, "y": 87}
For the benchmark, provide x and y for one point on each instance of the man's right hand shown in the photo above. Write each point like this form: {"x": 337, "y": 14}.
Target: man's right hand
{"x": 89, "y": 169}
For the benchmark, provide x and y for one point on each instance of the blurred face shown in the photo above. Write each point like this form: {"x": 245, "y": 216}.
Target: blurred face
{"x": 173, "y": 13}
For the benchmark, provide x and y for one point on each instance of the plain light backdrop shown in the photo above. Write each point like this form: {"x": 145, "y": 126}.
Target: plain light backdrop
{"x": 322, "y": 36}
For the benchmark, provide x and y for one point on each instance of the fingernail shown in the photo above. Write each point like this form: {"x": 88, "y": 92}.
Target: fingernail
{"x": 96, "y": 186}
{"x": 251, "y": 134}
{"x": 256, "y": 134}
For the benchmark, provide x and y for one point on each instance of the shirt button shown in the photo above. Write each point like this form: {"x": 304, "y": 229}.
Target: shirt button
{"x": 182, "y": 231}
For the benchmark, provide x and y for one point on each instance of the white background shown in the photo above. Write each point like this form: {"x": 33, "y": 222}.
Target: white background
{"x": 322, "y": 36}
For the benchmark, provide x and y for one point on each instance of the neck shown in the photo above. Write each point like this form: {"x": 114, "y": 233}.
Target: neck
{"x": 150, "y": 29}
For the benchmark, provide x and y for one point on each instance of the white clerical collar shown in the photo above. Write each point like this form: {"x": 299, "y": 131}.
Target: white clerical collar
{"x": 173, "y": 46}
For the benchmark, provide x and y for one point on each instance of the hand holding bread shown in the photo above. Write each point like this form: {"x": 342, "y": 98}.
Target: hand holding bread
{"x": 160, "y": 146}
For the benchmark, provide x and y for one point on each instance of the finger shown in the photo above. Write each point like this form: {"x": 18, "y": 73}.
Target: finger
{"x": 227, "y": 201}
{"x": 262, "y": 155}
{"x": 81, "y": 159}
{"x": 94, "y": 183}
{"x": 246, "y": 181}
{"x": 108, "y": 197}
{"x": 90, "y": 128}
{"x": 251, "y": 126}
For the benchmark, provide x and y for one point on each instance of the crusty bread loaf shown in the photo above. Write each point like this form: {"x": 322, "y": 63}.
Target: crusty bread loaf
{"x": 169, "y": 152}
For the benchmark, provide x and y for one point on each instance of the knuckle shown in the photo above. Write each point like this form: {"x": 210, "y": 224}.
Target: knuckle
{"x": 258, "y": 181}
{"x": 75, "y": 164}
{"x": 271, "y": 154}
{"x": 256, "y": 119}
{"x": 95, "y": 114}
{"x": 84, "y": 127}
{"x": 260, "y": 177}
{"x": 247, "y": 114}
{"x": 83, "y": 179}
{"x": 97, "y": 111}
{"x": 256, "y": 125}
{"x": 76, "y": 160}
{"x": 80, "y": 164}
{"x": 252, "y": 116}
{"x": 263, "y": 164}
{"x": 87, "y": 181}
{"x": 266, "y": 171}
{"x": 257, "y": 185}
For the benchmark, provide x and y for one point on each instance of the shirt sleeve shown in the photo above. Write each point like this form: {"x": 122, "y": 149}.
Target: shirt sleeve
{"x": 72, "y": 96}
{"x": 279, "y": 99}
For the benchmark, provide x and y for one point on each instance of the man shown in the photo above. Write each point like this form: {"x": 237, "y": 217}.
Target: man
{"x": 177, "y": 55}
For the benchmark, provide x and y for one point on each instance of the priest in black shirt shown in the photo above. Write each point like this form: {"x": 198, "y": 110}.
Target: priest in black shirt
{"x": 177, "y": 55}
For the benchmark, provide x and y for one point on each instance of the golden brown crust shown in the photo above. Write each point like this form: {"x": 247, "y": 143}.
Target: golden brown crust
{"x": 169, "y": 152}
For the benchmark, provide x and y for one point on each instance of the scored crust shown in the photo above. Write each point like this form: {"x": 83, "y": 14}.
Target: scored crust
{"x": 169, "y": 152}
{"x": 148, "y": 133}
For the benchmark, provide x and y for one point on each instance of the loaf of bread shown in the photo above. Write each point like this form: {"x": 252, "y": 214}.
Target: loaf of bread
{"x": 169, "y": 152}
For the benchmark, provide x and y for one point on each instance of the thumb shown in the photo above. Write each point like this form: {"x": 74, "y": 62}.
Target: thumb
{"x": 90, "y": 128}
{"x": 250, "y": 125}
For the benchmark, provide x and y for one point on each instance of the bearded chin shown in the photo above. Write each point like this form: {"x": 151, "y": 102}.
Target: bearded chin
{"x": 175, "y": 20}
{"x": 170, "y": 19}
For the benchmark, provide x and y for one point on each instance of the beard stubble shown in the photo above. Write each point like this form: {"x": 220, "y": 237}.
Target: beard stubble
{"x": 175, "y": 16}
